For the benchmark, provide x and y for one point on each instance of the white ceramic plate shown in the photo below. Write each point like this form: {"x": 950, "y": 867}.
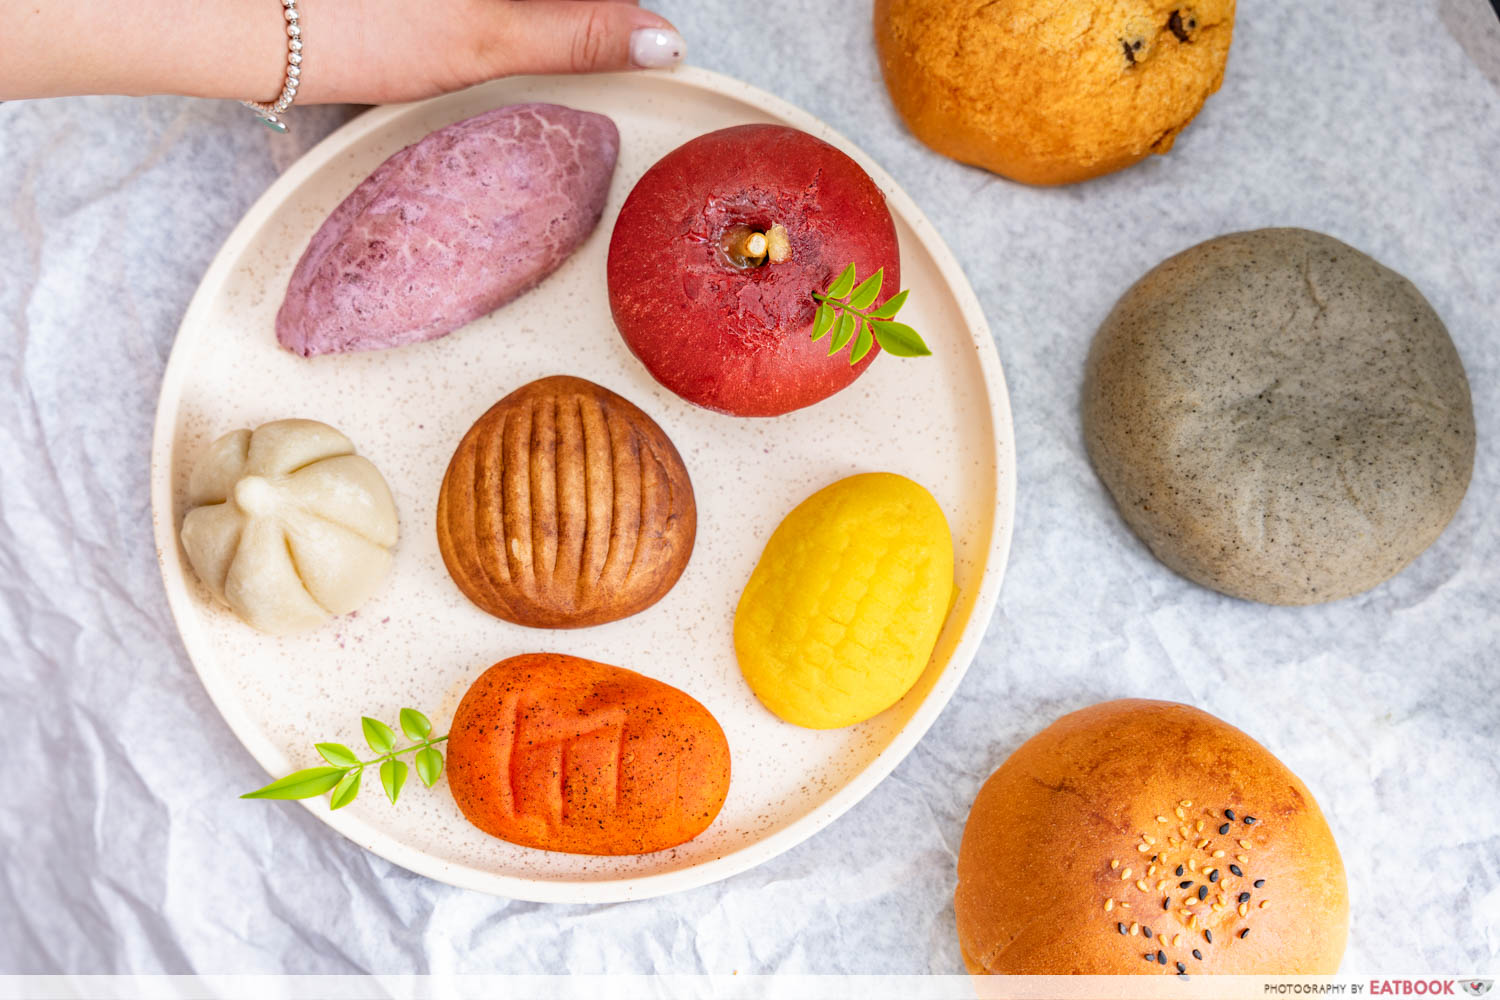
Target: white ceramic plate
{"x": 943, "y": 421}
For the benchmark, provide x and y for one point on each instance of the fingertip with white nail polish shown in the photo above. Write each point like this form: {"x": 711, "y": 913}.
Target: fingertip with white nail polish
{"x": 656, "y": 48}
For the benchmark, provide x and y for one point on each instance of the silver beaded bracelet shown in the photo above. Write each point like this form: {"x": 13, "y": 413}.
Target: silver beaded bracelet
{"x": 270, "y": 115}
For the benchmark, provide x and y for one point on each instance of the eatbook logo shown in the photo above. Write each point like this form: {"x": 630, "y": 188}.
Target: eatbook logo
{"x": 1476, "y": 987}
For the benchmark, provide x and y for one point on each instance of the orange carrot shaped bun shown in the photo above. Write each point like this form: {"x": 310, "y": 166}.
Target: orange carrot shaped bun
{"x": 567, "y": 754}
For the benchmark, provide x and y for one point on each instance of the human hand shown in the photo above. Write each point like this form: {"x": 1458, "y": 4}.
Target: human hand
{"x": 361, "y": 51}
{"x": 378, "y": 51}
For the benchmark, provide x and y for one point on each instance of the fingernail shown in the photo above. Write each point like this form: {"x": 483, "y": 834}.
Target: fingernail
{"x": 654, "y": 48}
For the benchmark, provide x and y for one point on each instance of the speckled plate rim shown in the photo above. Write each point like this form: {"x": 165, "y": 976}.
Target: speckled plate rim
{"x": 606, "y": 890}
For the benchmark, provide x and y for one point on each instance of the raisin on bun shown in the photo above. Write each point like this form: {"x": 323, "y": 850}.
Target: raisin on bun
{"x": 1145, "y": 836}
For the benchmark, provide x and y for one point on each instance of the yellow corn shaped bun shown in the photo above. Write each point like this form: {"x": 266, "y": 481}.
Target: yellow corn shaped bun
{"x": 842, "y": 612}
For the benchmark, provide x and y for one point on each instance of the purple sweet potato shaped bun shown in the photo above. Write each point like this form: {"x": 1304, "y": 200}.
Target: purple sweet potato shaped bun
{"x": 450, "y": 229}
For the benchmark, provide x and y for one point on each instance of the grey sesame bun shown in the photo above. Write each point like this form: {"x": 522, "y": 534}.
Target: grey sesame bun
{"x": 1148, "y": 837}
{"x": 1279, "y": 417}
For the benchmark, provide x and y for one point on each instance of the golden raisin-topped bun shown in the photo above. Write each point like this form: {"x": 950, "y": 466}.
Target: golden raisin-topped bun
{"x": 1051, "y": 91}
{"x": 1148, "y": 837}
{"x": 565, "y": 506}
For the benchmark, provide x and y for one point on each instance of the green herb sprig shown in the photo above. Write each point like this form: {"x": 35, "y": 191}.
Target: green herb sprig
{"x": 345, "y": 769}
{"x": 845, "y": 310}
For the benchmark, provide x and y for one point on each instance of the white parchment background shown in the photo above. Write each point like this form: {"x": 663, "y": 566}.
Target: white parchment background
{"x": 125, "y": 849}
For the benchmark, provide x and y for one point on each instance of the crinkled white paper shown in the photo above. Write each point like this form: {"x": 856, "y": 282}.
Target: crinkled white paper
{"x": 125, "y": 849}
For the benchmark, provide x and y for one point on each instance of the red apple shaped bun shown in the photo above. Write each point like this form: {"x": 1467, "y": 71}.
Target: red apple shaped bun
{"x": 727, "y": 334}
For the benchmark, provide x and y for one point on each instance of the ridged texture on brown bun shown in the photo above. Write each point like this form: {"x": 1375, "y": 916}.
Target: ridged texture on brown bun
{"x": 1051, "y": 91}
{"x": 565, "y": 505}
{"x": 1074, "y": 843}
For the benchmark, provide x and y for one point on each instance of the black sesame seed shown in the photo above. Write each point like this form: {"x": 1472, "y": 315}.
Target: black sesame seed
{"x": 1244, "y": 932}
{"x": 1185, "y": 884}
{"x": 1236, "y": 870}
{"x": 1179, "y": 871}
{"x": 1203, "y": 892}
{"x": 1122, "y": 928}
{"x": 1166, "y": 904}
{"x": 1213, "y": 876}
{"x": 1208, "y": 936}
{"x": 1161, "y": 957}
{"x": 1181, "y": 967}
{"x": 1260, "y": 883}
{"x": 1229, "y": 814}
{"x": 1244, "y": 897}
{"x": 1198, "y": 954}
{"x": 1224, "y": 828}
{"x": 1150, "y": 957}
{"x": 1249, "y": 820}
{"x": 1146, "y": 931}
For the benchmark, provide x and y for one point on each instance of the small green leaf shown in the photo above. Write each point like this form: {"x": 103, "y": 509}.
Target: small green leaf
{"x": 900, "y": 339}
{"x": 848, "y": 323}
{"x": 842, "y": 284}
{"x": 302, "y": 784}
{"x": 868, "y": 291}
{"x": 392, "y": 777}
{"x": 414, "y": 724}
{"x": 345, "y": 791}
{"x": 891, "y": 306}
{"x": 429, "y": 766}
{"x": 823, "y": 321}
{"x": 337, "y": 754}
{"x": 862, "y": 345}
{"x": 382, "y": 738}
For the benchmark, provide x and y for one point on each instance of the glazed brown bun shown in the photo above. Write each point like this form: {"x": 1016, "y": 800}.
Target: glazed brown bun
{"x": 1069, "y": 862}
{"x": 564, "y": 506}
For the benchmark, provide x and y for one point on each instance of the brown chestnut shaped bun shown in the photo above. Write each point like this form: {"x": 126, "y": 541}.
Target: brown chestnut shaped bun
{"x": 565, "y": 506}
